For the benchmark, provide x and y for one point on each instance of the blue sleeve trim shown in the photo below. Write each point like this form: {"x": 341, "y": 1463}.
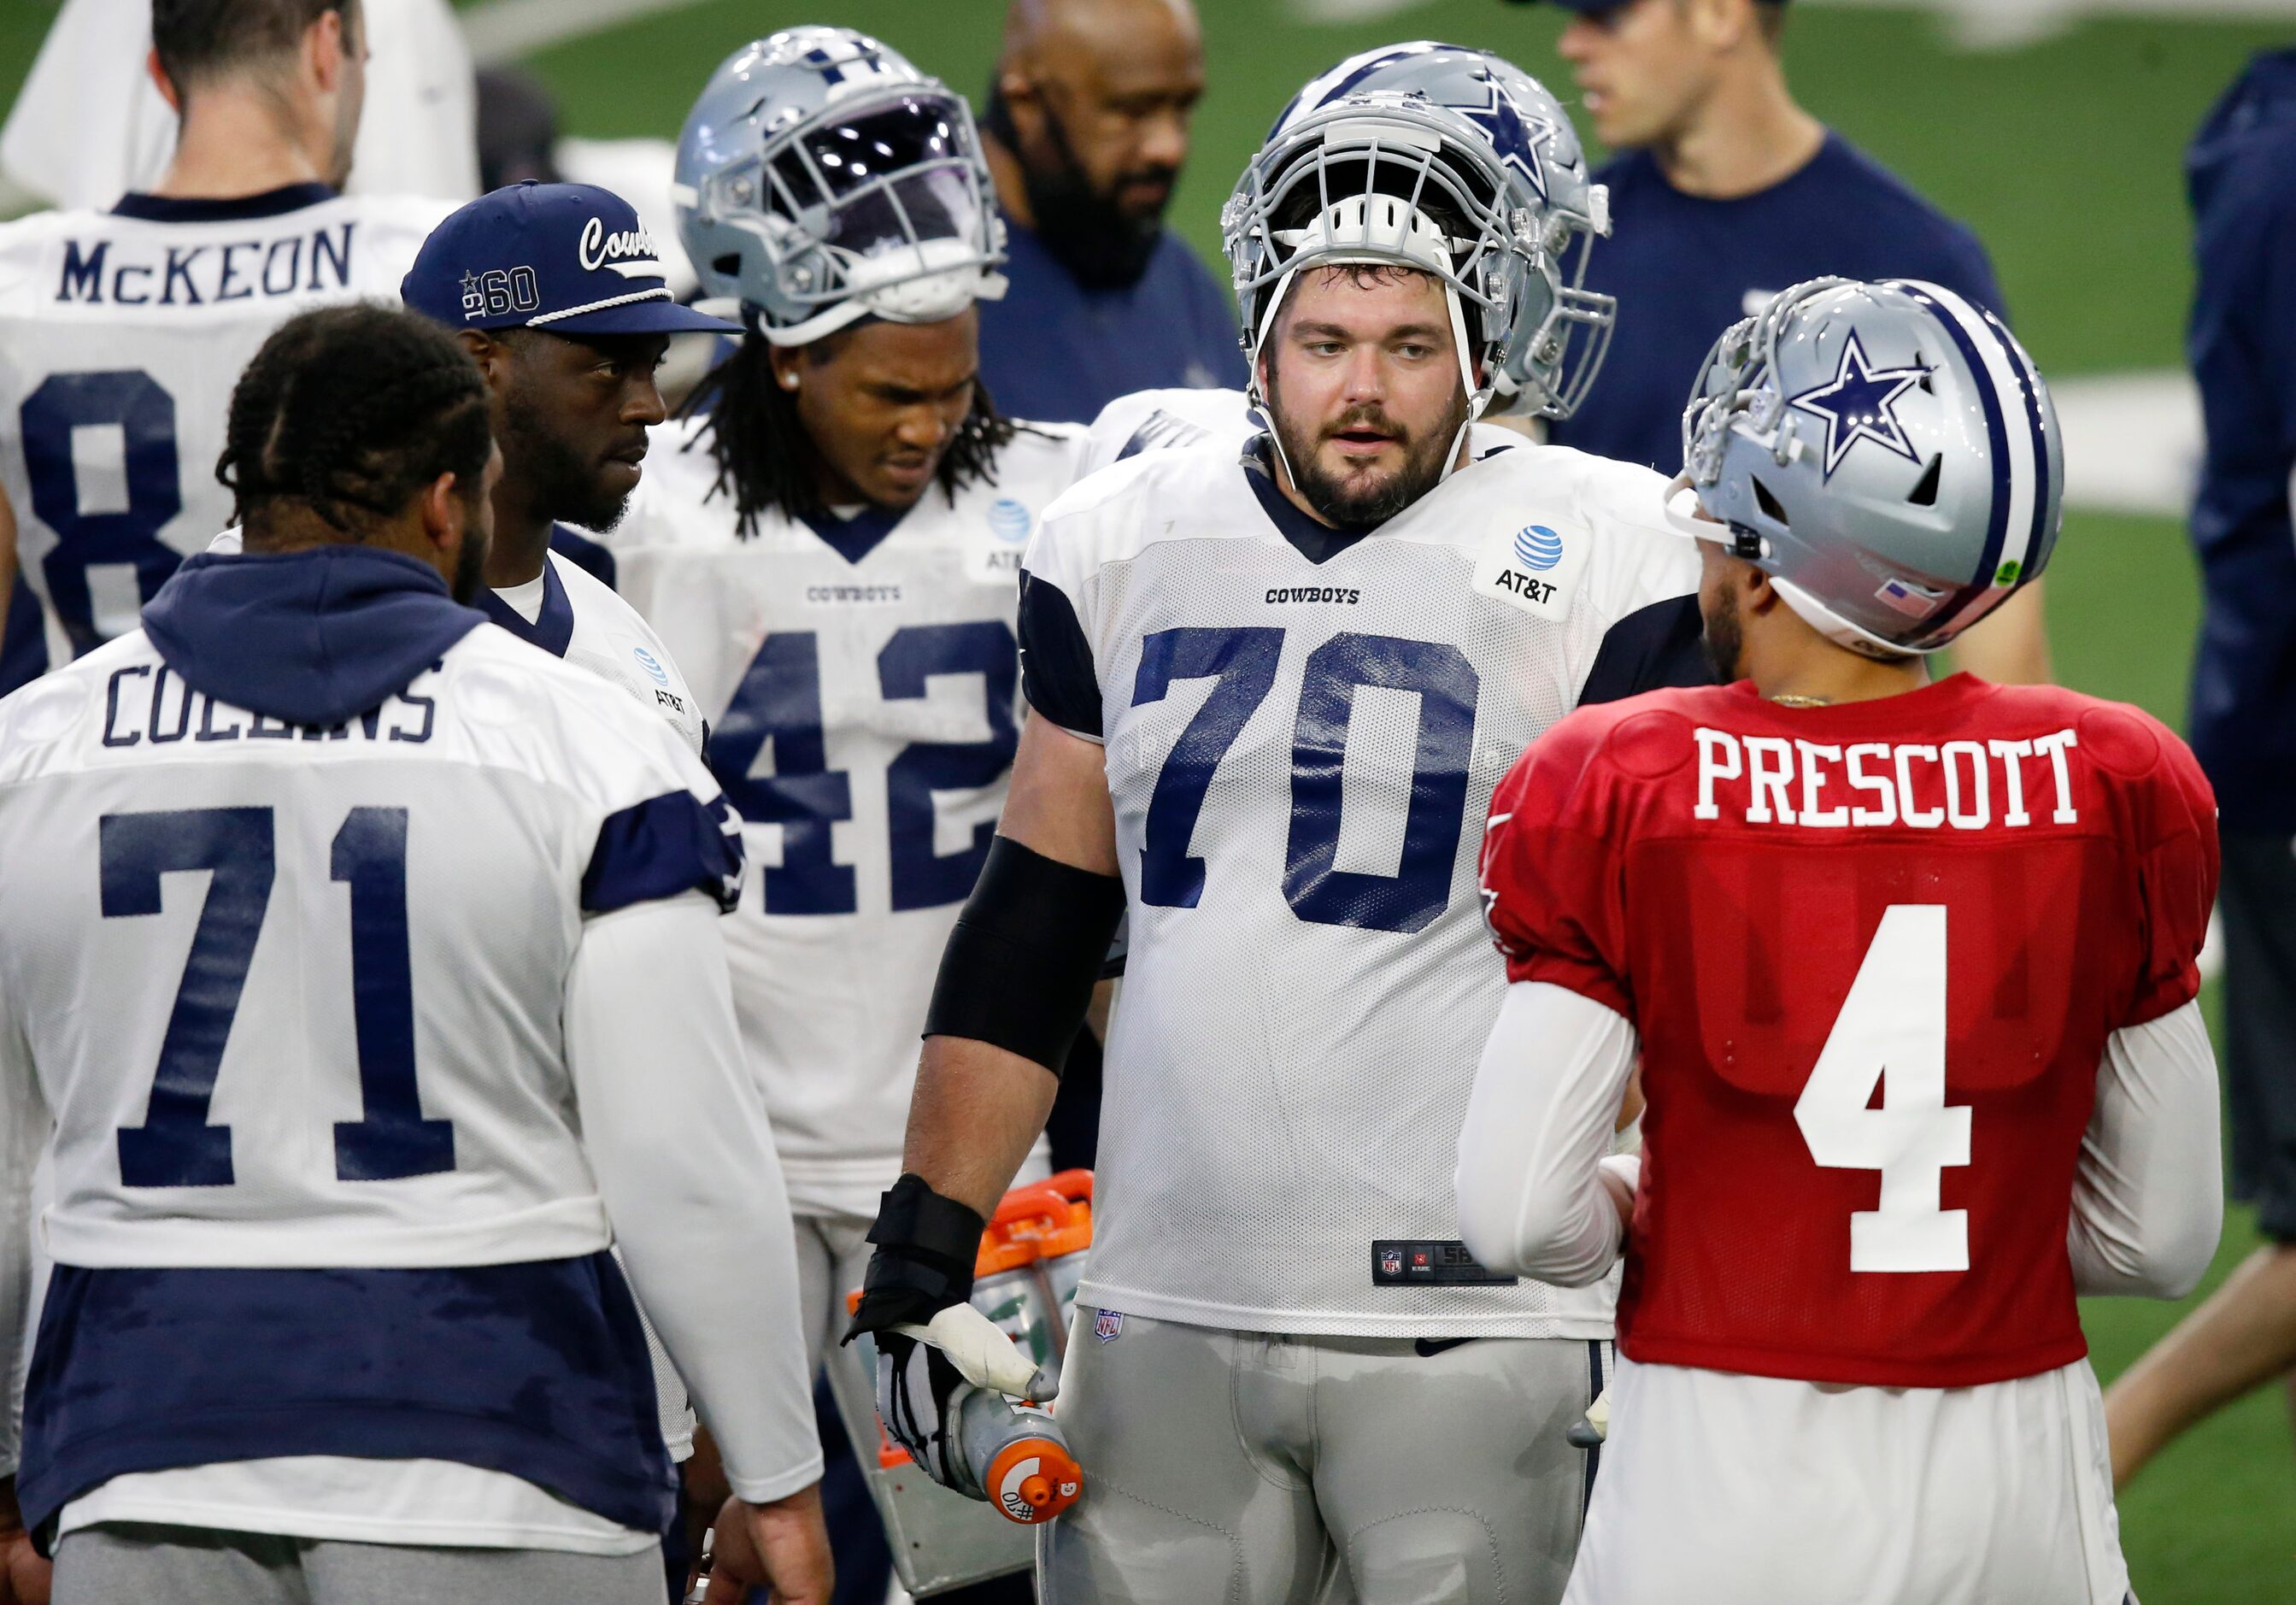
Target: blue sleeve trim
{"x": 1650, "y": 649}
{"x": 663, "y": 846}
{"x": 1057, "y": 667}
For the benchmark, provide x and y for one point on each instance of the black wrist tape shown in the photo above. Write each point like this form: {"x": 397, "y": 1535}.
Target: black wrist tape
{"x": 1020, "y": 966}
{"x": 927, "y": 1244}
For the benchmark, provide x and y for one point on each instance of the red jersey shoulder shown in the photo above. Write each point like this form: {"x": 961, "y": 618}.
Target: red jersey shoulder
{"x": 1577, "y": 769}
{"x": 2162, "y": 790}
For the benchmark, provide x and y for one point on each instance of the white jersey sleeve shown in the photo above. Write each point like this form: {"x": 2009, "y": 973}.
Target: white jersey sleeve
{"x": 90, "y": 126}
{"x": 1303, "y": 728}
{"x": 860, "y": 679}
{"x": 121, "y": 338}
{"x": 1157, "y": 420}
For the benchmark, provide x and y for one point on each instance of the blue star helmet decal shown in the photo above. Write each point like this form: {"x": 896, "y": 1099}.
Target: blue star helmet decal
{"x": 1516, "y": 137}
{"x": 1857, "y": 406}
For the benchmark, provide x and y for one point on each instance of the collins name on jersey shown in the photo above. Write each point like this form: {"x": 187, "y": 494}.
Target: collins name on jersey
{"x": 122, "y": 334}
{"x": 1303, "y": 729}
{"x": 860, "y": 677}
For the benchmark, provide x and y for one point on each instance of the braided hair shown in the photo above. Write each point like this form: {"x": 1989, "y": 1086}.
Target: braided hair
{"x": 351, "y": 411}
{"x": 766, "y": 461}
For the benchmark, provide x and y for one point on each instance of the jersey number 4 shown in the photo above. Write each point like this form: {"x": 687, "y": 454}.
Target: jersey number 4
{"x": 176, "y": 1147}
{"x": 1892, "y": 1031}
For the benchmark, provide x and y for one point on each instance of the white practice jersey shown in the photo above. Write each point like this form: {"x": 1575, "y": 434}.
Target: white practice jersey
{"x": 121, "y": 338}
{"x": 570, "y": 613}
{"x": 1303, "y": 731}
{"x": 860, "y": 680}
{"x": 464, "y": 816}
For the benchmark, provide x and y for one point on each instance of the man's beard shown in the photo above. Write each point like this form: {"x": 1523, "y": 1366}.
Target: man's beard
{"x": 1724, "y": 641}
{"x": 1087, "y": 230}
{"x": 565, "y": 486}
{"x": 1355, "y": 501}
{"x": 469, "y": 568}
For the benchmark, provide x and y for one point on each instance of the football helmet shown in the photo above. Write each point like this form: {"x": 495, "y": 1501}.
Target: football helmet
{"x": 1886, "y": 452}
{"x": 821, "y": 177}
{"x": 1562, "y": 330}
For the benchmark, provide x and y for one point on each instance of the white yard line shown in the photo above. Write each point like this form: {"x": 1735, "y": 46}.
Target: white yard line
{"x": 503, "y": 29}
{"x": 2132, "y": 442}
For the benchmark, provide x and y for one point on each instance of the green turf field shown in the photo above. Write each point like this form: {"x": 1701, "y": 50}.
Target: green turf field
{"x": 2064, "y": 156}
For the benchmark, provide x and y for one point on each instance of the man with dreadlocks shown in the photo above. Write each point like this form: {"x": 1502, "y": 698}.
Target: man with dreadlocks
{"x": 1273, "y": 697}
{"x": 365, "y": 986}
{"x": 830, "y": 544}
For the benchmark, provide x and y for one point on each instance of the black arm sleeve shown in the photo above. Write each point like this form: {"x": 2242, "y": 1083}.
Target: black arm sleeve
{"x": 1019, "y": 968}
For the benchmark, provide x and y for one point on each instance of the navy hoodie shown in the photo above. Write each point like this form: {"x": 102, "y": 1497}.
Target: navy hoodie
{"x": 2242, "y": 174}
{"x": 314, "y": 637}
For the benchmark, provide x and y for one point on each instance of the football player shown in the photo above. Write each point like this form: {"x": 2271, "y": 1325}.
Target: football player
{"x": 1272, "y": 692}
{"x": 1549, "y": 186}
{"x": 333, "y": 1316}
{"x": 557, "y": 292}
{"x": 1911, "y": 969}
{"x": 830, "y": 544}
{"x": 125, "y": 329}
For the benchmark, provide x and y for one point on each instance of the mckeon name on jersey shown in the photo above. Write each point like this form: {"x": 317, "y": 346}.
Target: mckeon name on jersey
{"x": 122, "y": 334}
{"x": 860, "y": 677}
{"x": 299, "y": 1007}
{"x": 1303, "y": 729}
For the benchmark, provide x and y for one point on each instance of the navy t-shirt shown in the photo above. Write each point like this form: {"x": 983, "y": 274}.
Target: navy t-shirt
{"x": 1056, "y": 353}
{"x": 1684, "y": 268}
{"x": 2242, "y": 174}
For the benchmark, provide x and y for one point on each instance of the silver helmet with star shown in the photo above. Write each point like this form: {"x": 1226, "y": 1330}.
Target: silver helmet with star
{"x": 822, "y": 178}
{"x": 1886, "y": 452}
{"x": 1562, "y": 329}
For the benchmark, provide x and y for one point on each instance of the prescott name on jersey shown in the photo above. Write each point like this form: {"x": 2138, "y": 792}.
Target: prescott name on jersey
{"x": 1874, "y": 954}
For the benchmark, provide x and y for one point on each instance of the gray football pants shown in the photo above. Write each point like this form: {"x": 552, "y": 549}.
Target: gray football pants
{"x": 116, "y": 1561}
{"x": 1225, "y": 1467}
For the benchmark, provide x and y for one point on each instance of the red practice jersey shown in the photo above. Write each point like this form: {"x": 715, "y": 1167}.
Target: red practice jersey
{"x": 1874, "y": 953}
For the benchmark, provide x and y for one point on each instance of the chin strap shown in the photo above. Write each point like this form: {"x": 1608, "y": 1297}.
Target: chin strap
{"x": 1479, "y": 397}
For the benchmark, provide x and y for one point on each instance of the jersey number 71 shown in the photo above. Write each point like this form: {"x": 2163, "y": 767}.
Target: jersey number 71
{"x": 176, "y": 1147}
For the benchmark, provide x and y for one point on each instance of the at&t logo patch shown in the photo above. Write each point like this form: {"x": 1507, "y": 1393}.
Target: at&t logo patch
{"x": 1008, "y": 520}
{"x": 1535, "y": 568}
{"x": 1538, "y": 548}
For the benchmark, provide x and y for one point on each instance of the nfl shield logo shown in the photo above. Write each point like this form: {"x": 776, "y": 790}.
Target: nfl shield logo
{"x": 1106, "y": 1325}
{"x": 1390, "y": 1261}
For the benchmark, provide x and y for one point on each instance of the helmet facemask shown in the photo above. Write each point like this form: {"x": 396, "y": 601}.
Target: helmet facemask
{"x": 1380, "y": 181}
{"x": 818, "y": 197}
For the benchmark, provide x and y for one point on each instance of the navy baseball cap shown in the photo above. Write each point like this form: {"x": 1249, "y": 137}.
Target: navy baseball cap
{"x": 568, "y": 259}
